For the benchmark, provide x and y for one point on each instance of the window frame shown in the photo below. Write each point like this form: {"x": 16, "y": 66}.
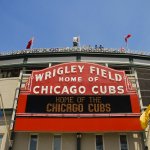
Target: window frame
{"x": 126, "y": 140}
{"x": 30, "y": 141}
{"x": 60, "y": 141}
{"x": 102, "y": 140}
{"x": 1, "y": 140}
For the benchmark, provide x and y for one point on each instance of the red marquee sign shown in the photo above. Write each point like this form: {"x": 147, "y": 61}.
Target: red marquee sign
{"x": 79, "y": 78}
{"x": 67, "y": 97}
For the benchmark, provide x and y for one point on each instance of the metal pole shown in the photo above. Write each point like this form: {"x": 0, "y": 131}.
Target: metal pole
{"x": 7, "y": 128}
{"x": 147, "y": 141}
{"x": 79, "y": 141}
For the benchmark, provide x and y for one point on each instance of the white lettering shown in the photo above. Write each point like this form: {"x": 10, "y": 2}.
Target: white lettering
{"x": 39, "y": 77}
{"x": 82, "y": 89}
{"x": 60, "y": 71}
{"x": 47, "y": 75}
{"x": 107, "y": 90}
{"x": 73, "y": 89}
{"x": 65, "y": 90}
{"x": 81, "y": 68}
{"x": 112, "y": 89}
{"x": 110, "y": 76}
{"x": 120, "y": 89}
{"x": 67, "y": 71}
{"x": 73, "y": 69}
{"x": 103, "y": 89}
{"x": 103, "y": 72}
{"x": 44, "y": 89}
{"x": 56, "y": 89}
{"x": 36, "y": 89}
{"x": 118, "y": 77}
{"x": 95, "y": 89}
{"x": 90, "y": 79}
{"x": 92, "y": 69}
{"x": 70, "y": 79}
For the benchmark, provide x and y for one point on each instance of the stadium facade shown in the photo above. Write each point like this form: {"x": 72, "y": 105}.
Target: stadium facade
{"x": 75, "y": 98}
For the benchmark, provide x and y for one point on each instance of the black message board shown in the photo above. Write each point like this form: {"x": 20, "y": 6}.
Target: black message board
{"x": 78, "y": 104}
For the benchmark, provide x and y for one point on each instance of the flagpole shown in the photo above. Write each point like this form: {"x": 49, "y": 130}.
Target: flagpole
{"x": 32, "y": 42}
{"x": 126, "y": 40}
{"x": 7, "y": 128}
{"x": 127, "y": 46}
{"x": 79, "y": 42}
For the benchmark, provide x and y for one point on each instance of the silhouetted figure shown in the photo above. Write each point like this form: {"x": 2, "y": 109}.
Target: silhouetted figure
{"x": 101, "y": 47}
{"x": 95, "y": 46}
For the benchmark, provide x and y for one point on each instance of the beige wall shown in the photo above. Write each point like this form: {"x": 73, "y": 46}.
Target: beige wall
{"x": 21, "y": 141}
{"x": 4, "y": 131}
{"x": 134, "y": 141}
{"x": 45, "y": 141}
{"x": 88, "y": 141}
{"x": 69, "y": 142}
{"x": 5, "y": 142}
{"x": 111, "y": 141}
{"x": 7, "y": 90}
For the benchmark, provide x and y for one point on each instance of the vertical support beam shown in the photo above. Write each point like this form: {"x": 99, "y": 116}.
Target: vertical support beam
{"x": 106, "y": 64}
{"x": 50, "y": 64}
{"x": 133, "y": 71}
{"x": 138, "y": 90}
{"x": 136, "y": 81}
{"x": 15, "y": 106}
{"x": 78, "y": 58}
{"x": 79, "y": 141}
{"x": 147, "y": 141}
{"x": 143, "y": 137}
{"x": 5, "y": 119}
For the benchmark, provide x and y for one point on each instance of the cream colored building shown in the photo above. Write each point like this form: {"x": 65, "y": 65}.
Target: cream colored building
{"x": 69, "y": 141}
{"x": 14, "y": 72}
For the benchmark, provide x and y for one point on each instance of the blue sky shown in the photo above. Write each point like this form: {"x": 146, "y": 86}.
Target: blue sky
{"x": 53, "y": 23}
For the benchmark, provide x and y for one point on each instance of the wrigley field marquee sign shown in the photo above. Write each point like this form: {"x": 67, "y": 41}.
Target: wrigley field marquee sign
{"x": 77, "y": 97}
{"x": 78, "y": 78}
{"x": 78, "y": 88}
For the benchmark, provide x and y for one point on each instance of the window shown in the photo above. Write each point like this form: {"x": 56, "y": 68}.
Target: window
{"x": 127, "y": 69}
{"x": 1, "y": 137}
{"x": 123, "y": 142}
{"x": 33, "y": 142}
{"x": 99, "y": 142}
{"x": 9, "y": 72}
{"x": 57, "y": 142}
{"x": 1, "y": 113}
